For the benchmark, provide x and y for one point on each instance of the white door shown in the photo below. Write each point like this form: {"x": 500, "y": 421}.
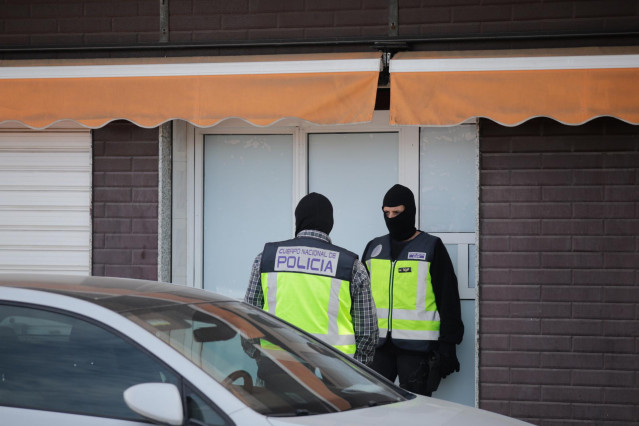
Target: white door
{"x": 45, "y": 201}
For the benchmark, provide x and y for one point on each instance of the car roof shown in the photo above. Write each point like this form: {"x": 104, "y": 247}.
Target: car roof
{"x": 116, "y": 294}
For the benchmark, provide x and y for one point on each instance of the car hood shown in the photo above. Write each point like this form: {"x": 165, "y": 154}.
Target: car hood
{"x": 418, "y": 411}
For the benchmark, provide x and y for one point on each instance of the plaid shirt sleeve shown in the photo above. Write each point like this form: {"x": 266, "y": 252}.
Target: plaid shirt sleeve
{"x": 364, "y": 314}
{"x": 254, "y": 295}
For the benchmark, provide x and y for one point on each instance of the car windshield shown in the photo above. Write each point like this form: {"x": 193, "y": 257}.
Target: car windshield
{"x": 274, "y": 368}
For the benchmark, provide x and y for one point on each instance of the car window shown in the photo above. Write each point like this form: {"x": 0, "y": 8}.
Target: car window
{"x": 276, "y": 369}
{"x": 200, "y": 412}
{"x": 57, "y": 362}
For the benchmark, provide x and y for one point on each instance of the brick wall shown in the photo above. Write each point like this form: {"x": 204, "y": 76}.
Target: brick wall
{"x": 95, "y": 22}
{"x": 111, "y": 22}
{"x": 504, "y": 16}
{"x": 78, "y": 22}
{"x": 559, "y": 299}
{"x": 125, "y": 201}
{"x": 200, "y": 20}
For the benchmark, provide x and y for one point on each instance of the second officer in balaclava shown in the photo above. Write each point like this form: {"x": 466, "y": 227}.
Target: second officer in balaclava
{"x": 415, "y": 291}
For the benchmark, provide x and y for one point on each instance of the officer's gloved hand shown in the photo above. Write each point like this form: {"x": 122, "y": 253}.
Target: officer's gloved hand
{"x": 448, "y": 358}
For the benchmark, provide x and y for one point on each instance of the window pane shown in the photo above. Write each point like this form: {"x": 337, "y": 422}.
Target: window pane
{"x": 201, "y": 411}
{"x": 54, "y": 362}
{"x": 354, "y": 170}
{"x": 453, "y": 254}
{"x": 448, "y": 179}
{"x": 248, "y": 186}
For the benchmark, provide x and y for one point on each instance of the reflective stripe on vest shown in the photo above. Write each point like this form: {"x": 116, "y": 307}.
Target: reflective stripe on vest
{"x": 320, "y": 305}
{"x": 414, "y": 314}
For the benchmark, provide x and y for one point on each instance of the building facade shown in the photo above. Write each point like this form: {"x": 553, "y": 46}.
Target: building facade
{"x": 530, "y": 175}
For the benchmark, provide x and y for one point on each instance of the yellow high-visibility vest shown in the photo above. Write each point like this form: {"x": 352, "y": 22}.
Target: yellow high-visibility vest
{"x": 306, "y": 282}
{"x": 403, "y": 290}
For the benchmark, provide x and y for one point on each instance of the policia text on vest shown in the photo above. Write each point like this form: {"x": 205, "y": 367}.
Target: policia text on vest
{"x": 306, "y": 259}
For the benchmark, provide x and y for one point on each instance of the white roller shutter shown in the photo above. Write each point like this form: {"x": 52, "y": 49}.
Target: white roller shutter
{"x": 45, "y": 201}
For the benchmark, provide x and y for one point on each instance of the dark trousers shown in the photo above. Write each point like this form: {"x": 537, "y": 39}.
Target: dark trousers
{"x": 411, "y": 367}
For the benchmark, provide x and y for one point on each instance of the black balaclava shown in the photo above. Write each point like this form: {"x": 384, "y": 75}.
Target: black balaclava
{"x": 314, "y": 211}
{"x": 402, "y": 226}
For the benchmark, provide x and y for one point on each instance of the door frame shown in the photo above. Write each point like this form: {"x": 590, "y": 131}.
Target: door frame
{"x": 188, "y": 192}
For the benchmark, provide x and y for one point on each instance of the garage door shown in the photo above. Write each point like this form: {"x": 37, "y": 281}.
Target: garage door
{"x": 45, "y": 200}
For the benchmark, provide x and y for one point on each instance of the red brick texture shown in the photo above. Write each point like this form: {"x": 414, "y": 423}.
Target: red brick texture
{"x": 125, "y": 201}
{"x": 559, "y": 283}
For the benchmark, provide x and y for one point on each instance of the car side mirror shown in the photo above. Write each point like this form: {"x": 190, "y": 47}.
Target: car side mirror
{"x": 159, "y": 402}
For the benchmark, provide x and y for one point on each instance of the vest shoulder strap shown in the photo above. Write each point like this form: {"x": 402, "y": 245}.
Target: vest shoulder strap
{"x": 421, "y": 247}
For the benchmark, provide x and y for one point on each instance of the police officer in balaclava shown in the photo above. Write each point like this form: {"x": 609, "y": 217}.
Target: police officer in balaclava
{"x": 298, "y": 275}
{"x": 415, "y": 291}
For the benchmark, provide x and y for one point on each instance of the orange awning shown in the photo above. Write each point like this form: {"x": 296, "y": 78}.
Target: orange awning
{"x": 571, "y": 86}
{"x": 320, "y": 88}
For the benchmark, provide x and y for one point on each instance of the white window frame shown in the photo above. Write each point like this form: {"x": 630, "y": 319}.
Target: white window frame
{"x": 188, "y": 152}
{"x": 463, "y": 240}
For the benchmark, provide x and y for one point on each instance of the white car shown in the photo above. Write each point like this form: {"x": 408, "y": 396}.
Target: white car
{"x": 107, "y": 351}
